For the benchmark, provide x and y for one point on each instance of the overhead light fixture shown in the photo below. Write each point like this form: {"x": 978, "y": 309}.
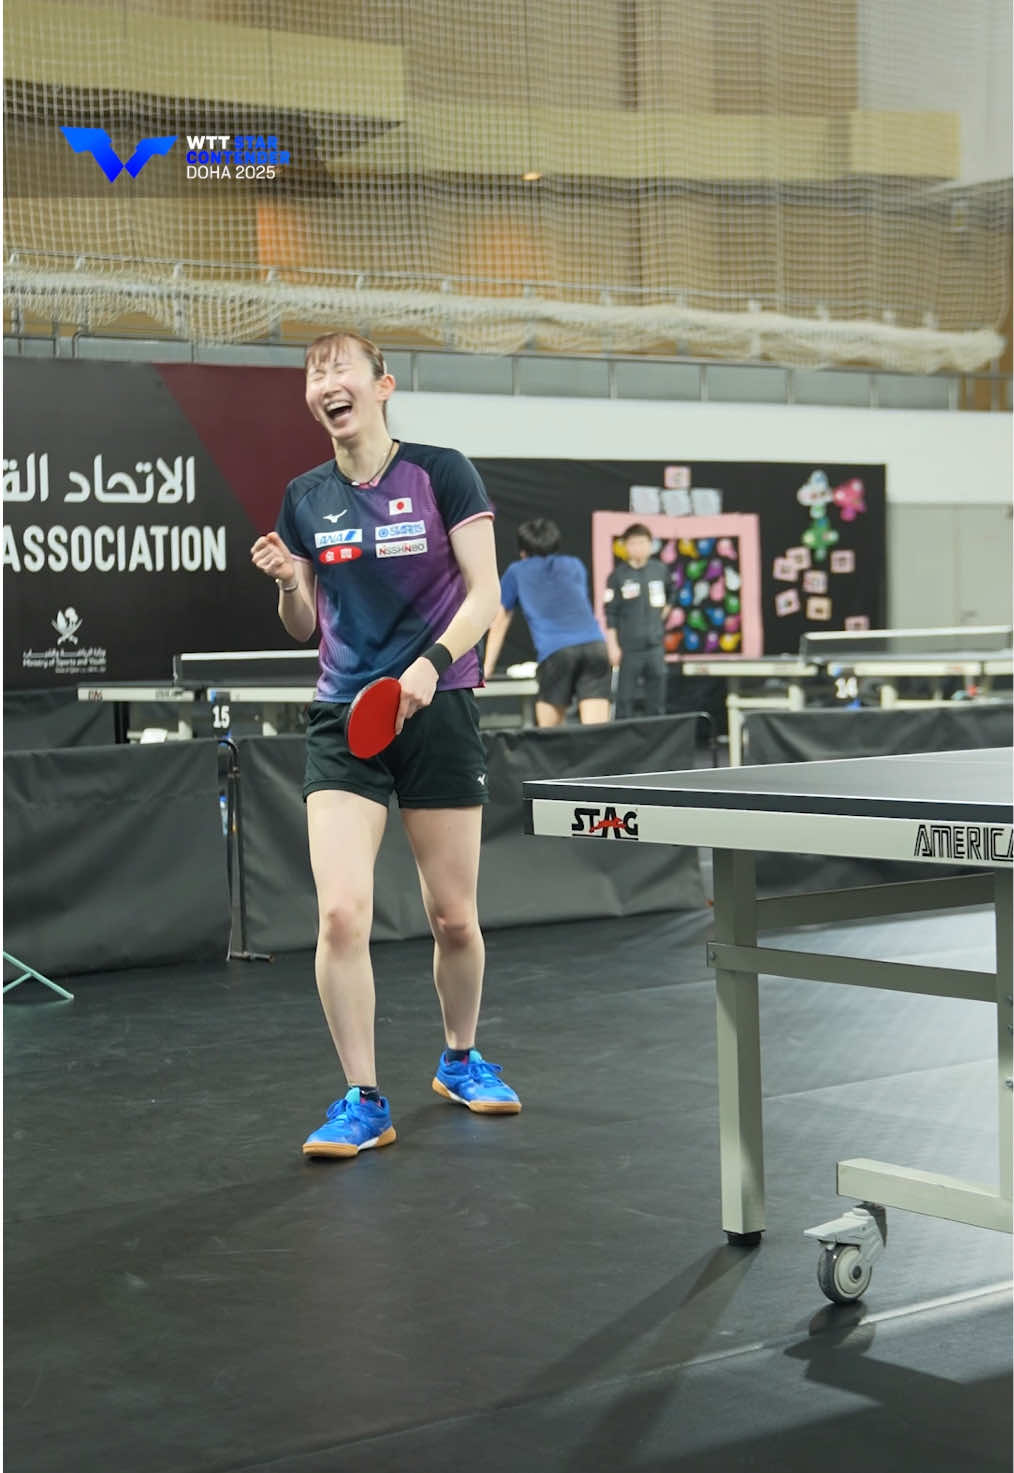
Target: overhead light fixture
{"x": 530, "y": 176}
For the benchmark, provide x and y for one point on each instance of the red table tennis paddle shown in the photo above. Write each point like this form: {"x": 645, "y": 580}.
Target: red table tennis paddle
{"x": 370, "y": 720}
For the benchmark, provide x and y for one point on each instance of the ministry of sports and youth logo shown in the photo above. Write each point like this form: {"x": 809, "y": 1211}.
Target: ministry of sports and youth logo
{"x": 67, "y": 656}
{"x": 67, "y": 623}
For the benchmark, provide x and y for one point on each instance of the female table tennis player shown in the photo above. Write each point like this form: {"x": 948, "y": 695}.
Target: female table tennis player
{"x": 387, "y": 549}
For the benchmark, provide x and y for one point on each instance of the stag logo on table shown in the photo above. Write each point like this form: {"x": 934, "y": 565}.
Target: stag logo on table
{"x": 67, "y": 656}
{"x": 603, "y": 822}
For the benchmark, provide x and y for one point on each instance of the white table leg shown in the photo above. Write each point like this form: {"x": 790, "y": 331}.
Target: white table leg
{"x": 1004, "y": 1024}
{"x": 741, "y": 1140}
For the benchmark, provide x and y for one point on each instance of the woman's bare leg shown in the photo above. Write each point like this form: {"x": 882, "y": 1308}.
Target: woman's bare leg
{"x": 345, "y": 831}
{"x": 445, "y": 842}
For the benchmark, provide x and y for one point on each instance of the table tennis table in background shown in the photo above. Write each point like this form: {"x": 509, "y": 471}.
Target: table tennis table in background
{"x": 948, "y": 809}
{"x": 835, "y": 661}
{"x": 269, "y": 680}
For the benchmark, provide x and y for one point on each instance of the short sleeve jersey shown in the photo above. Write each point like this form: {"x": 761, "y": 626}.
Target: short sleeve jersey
{"x": 388, "y": 583}
{"x": 553, "y": 594}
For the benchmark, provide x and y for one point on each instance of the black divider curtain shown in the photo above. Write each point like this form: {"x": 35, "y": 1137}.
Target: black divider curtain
{"x": 522, "y": 880}
{"x": 114, "y": 857}
{"x": 813, "y": 736}
{"x": 38, "y": 719}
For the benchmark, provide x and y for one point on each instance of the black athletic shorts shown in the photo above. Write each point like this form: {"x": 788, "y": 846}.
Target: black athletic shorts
{"x": 580, "y": 671}
{"x": 437, "y": 761}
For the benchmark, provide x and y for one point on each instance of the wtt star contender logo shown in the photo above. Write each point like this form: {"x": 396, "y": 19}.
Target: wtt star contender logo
{"x": 97, "y": 142}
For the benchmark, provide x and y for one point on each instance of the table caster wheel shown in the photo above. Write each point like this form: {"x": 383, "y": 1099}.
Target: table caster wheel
{"x": 841, "y": 1273}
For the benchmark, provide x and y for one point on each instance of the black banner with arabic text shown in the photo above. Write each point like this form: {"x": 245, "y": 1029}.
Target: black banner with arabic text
{"x": 132, "y": 493}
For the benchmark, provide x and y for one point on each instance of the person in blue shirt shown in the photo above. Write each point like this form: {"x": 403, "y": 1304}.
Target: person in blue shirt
{"x": 552, "y": 591}
{"x": 385, "y": 554}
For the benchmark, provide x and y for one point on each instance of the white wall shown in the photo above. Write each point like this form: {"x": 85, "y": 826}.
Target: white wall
{"x": 947, "y": 56}
{"x": 943, "y": 458}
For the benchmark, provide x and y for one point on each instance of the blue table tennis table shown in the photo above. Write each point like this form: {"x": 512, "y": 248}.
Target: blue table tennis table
{"x": 948, "y": 811}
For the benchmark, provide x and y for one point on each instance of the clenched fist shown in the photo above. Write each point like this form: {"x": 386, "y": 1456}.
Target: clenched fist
{"x": 270, "y": 554}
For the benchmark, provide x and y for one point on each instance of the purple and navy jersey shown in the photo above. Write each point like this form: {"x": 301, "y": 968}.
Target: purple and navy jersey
{"x": 388, "y": 583}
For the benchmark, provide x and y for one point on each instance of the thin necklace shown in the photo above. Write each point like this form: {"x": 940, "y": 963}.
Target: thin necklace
{"x": 381, "y": 468}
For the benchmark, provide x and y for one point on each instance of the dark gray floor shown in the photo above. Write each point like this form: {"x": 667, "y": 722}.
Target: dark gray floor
{"x": 544, "y": 1292}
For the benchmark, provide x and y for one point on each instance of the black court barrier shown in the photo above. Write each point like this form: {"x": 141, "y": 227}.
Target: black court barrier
{"x": 37, "y": 720}
{"x": 114, "y": 857}
{"x": 521, "y": 879}
{"x": 826, "y": 734}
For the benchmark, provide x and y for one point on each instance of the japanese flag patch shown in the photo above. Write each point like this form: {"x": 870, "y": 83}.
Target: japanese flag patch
{"x": 401, "y": 506}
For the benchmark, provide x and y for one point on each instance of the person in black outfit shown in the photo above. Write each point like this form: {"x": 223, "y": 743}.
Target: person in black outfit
{"x": 637, "y": 600}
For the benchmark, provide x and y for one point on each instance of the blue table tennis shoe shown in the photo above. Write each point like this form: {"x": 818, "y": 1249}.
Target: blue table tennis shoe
{"x": 352, "y": 1125}
{"x": 476, "y": 1083}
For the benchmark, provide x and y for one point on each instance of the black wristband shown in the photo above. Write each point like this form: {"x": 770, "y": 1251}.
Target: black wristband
{"x": 439, "y": 657}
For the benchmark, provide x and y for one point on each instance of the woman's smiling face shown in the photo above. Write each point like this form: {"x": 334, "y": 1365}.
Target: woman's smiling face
{"x": 343, "y": 393}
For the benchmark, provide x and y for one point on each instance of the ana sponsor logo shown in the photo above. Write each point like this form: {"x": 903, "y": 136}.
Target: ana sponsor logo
{"x": 990, "y": 843}
{"x": 340, "y": 554}
{"x": 334, "y": 539}
{"x": 605, "y": 821}
{"x": 401, "y": 549}
{"x": 396, "y": 530}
